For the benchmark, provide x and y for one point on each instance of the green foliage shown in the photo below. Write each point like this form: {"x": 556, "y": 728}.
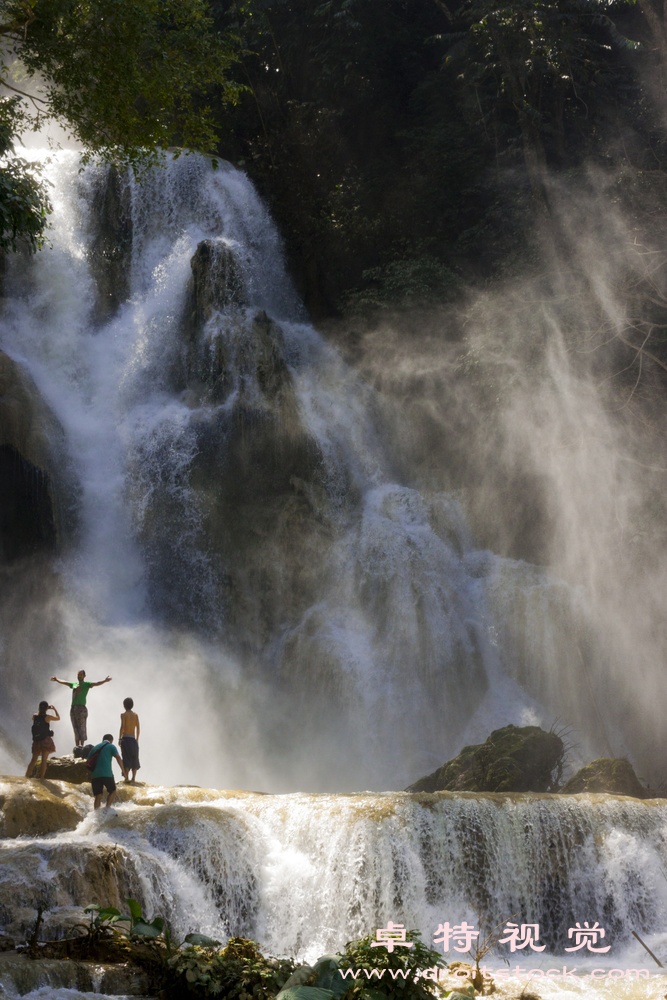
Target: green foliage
{"x": 404, "y": 145}
{"x": 102, "y": 921}
{"x": 239, "y": 971}
{"x": 361, "y": 954}
{"x": 24, "y": 201}
{"x": 124, "y": 76}
{"x": 416, "y": 279}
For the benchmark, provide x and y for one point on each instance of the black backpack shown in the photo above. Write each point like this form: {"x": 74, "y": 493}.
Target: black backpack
{"x": 40, "y": 728}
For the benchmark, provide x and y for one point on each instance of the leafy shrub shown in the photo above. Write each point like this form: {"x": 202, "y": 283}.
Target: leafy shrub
{"x": 363, "y": 955}
{"x": 239, "y": 972}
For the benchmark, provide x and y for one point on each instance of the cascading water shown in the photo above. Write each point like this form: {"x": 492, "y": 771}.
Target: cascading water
{"x": 302, "y": 874}
{"x": 237, "y": 550}
{"x": 232, "y": 526}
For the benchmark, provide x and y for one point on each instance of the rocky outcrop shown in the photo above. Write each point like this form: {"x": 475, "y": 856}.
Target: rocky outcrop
{"x": 254, "y": 471}
{"x": 513, "y": 759}
{"x": 35, "y": 808}
{"x": 110, "y": 251}
{"x": 615, "y": 776}
{"x": 68, "y": 768}
{"x": 62, "y": 877}
{"x": 216, "y": 286}
{"x": 217, "y": 281}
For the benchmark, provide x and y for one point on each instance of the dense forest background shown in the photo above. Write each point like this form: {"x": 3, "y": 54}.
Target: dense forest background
{"x": 404, "y": 146}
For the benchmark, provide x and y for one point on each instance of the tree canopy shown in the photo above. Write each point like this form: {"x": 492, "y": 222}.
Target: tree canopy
{"x": 123, "y": 77}
{"x": 402, "y": 144}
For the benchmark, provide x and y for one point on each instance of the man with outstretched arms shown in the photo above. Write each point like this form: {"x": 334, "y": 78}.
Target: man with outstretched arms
{"x": 78, "y": 712}
{"x": 102, "y": 774}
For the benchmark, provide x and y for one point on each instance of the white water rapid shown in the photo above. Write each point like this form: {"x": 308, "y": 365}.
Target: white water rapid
{"x": 303, "y": 874}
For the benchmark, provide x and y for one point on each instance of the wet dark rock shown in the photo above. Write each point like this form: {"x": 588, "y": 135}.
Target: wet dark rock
{"x": 216, "y": 287}
{"x": 614, "y": 776}
{"x": 110, "y": 251}
{"x": 216, "y": 281}
{"x": 513, "y": 759}
{"x": 31, "y": 493}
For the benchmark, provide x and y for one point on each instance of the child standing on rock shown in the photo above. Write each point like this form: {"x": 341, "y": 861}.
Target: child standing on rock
{"x": 129, "y": 738}
{"x": 42, "y": 737}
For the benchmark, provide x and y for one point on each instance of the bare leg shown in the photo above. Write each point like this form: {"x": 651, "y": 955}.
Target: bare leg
{"x": 110, "y": 797}
{"x": 31, "y": 765}
{"x": 45, "y": 757}
{"x": 98, "y": 800}
{"x": 134, "y": 776}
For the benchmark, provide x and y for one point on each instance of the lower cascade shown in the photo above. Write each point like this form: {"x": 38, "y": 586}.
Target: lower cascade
{"x": 302, "y": 874}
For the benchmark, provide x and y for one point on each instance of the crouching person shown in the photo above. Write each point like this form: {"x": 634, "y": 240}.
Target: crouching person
{"x": 100, "y": 761}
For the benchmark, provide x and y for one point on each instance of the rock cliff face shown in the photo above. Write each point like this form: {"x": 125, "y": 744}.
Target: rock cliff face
{"x": 111, "y": 248}
{"x": 254, "y": 474}
{"x": 36, "y": 522}
{"x": 31, "y": 468}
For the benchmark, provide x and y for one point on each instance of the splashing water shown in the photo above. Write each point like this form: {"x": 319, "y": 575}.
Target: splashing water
{"x": 242, "y": 556}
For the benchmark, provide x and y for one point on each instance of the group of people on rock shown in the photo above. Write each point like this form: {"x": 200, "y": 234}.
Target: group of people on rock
{"x": 102, "y": 755}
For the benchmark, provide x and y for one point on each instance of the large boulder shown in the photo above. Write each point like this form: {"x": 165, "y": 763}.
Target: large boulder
{"x": 615, "y": 776}
{"x": 513, "y": 759}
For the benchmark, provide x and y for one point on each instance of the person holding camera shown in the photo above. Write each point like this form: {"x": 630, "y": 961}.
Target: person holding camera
{"x": 42, "y": 737}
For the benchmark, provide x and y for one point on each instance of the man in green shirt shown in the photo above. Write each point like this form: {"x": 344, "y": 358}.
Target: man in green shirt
{"x": 78, "y": 712}
{"x": 102, "y": 774}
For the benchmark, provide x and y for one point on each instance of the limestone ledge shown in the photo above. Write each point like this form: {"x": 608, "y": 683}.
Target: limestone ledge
{"x": 34, "y": 808}
{"x": 20, "y": 975}
{"x": 30, "y": 807}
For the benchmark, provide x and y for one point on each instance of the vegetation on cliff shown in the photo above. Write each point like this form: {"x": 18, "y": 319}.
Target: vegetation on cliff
{"x": 404, "y": 146}
{"x": 123, "y": 78}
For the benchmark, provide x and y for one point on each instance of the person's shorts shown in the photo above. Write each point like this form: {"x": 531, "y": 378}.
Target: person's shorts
{"x": 100, "y": 783}
{"x": 129, "y": 749}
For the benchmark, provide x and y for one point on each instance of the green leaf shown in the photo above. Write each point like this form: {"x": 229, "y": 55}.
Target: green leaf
{"x": 142, "y": 929}
{"x": 202, "y": 941}
{"x": 135, "y": 909}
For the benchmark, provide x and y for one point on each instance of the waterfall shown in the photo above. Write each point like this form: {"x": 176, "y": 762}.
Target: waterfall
{"x": 217, "y": 518}
{"x": 236, "y": 547}
{"x": 303, "y": 874}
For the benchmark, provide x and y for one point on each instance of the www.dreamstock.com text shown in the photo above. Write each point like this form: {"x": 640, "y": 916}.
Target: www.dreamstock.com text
{"x": 519, "y": 972}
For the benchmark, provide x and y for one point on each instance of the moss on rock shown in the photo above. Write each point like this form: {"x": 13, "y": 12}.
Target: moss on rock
{"x": 606, "y": 774}
{"x": 513, "y": 759}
